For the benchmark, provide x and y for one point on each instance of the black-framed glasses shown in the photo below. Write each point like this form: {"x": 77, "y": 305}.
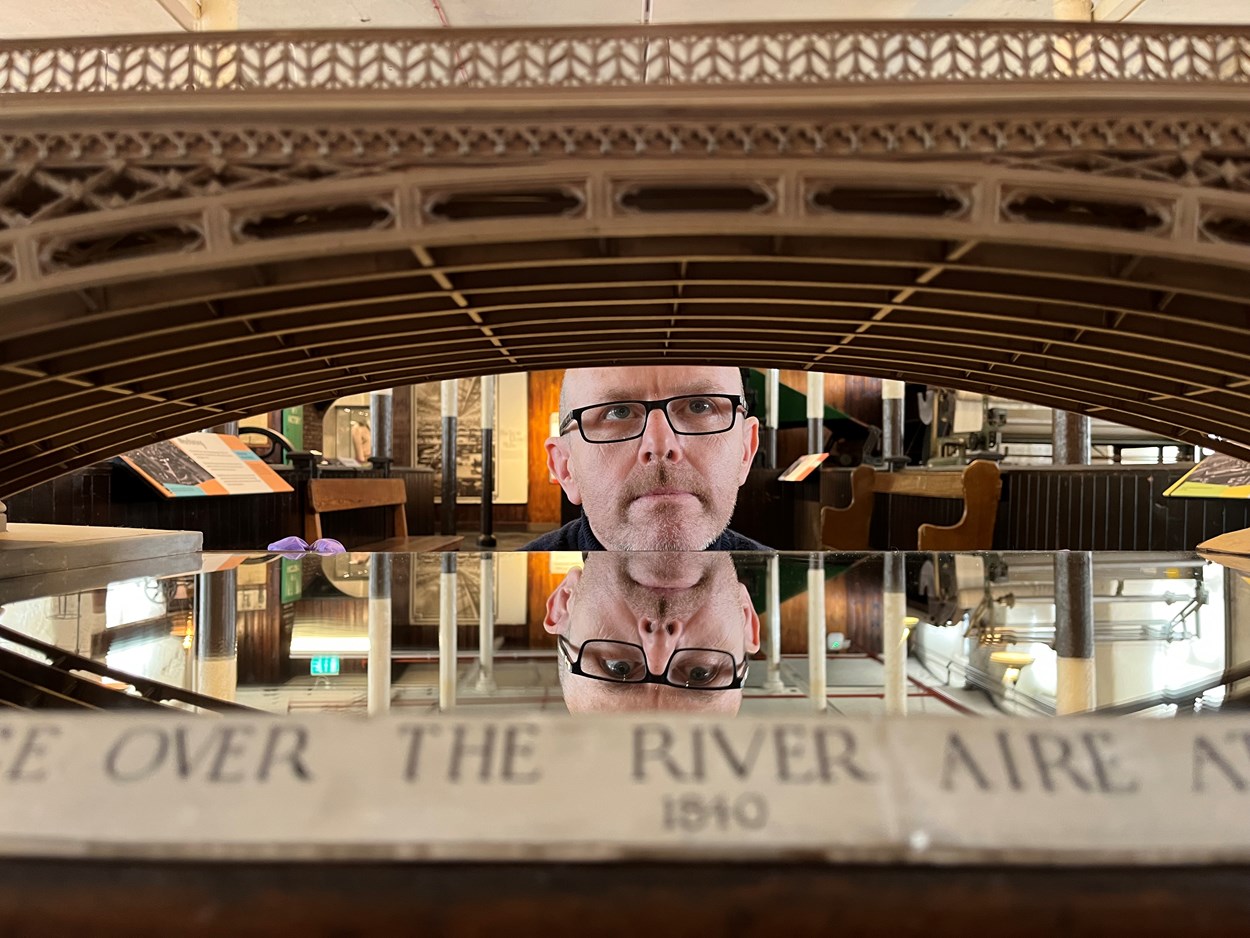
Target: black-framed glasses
{"x": 687, "y": 414}
{"x": 616, "y": 662}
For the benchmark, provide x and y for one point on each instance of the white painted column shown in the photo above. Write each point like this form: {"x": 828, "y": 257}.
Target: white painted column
{"x": 772, "y": 416}
{"x": 894, "y": 633}
{"x": 817, "y": 690}
{"x": 772, "y": 682}
{"x": 447, "y": 649}
{"x": 379, "y": 686}
{"x": 815, "y": 411}
{"x": 486, "y": 626}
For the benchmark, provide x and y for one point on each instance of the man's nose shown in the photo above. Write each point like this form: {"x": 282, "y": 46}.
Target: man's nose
{"x": 660, "y": 638}
{"x": 658, "y": 439}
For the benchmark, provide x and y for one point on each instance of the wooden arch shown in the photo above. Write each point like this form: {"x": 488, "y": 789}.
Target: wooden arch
{"x": 196, "y": 228}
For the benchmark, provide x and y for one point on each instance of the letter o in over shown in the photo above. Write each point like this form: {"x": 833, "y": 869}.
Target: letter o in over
{"x": 136, "y": 754}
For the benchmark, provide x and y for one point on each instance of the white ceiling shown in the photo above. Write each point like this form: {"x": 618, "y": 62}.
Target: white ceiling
{"x": 24, "y": 19}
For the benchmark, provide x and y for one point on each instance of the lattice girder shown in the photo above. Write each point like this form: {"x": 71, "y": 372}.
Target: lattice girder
{"x": 198, "y": 228}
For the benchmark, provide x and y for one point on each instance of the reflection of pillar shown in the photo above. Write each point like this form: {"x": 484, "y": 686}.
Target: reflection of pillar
{"x": 816, "y": 676}
{"x": 894, "y": 633}
{"x": 4, "y": 518}
{"x": 892, "y": 423}
{"x": 1074, "y": 632}
{"x": 379, "y": 690}
{"x": 487, "y": 536}
{"x": 216, "y": 634}
{"x": 486, "y": 626}
{"x": 230, "y": 428}
{"x": 772, "y": 682}
{"x": 447, "y": 634}
{"x": 815, "y": 411}
{"x": 451, "y": 406}
{"x": 381, "y": 424}
{"x": 1069, "y": 439}
{"x": 772, "y": 412}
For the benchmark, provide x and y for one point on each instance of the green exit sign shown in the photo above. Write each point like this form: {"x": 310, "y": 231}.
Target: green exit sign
{"x": 326, "y": 664}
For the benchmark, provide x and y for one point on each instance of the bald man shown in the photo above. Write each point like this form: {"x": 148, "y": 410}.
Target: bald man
{"x": 654, "y": 455}
{"x": 653, "y": 631}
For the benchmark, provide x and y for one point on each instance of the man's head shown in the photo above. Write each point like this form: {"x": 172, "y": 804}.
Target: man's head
{"x": 677, "y": 608}
{"x": 662, "y": 489}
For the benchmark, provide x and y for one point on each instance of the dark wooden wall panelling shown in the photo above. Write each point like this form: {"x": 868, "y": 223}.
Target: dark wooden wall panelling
{"x": 113, "y": 495}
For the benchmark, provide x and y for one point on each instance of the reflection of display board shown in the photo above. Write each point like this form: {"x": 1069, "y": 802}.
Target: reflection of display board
{"x": 204, "y": 464}
{"x": 510, "y": 589}
{"x": 1217, "y": 476}
{"x": 802, "y": 467}
{"x": 511, "y": 438}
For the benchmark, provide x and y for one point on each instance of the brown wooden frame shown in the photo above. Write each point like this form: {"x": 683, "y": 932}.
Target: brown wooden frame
{"x": 330, "y": 495}
{"x": 979, "y": 484}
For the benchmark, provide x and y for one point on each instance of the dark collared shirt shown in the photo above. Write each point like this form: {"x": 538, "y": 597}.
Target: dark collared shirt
{"x": 576, "y": 535}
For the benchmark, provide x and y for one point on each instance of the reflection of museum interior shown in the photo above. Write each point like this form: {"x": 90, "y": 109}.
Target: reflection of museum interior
{"x": 288, "y": 297}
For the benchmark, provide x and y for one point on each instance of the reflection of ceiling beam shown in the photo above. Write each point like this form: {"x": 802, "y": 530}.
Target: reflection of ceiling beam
{"x": 185, "y": 12}
{"x": 1116, "y": 11}
{"x": 203, "y": 15}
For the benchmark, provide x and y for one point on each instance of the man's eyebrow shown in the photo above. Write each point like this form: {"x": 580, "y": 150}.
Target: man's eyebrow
{"x": 700, "y": 387}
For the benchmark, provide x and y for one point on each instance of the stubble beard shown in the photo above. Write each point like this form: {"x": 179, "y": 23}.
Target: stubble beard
{"x": 659, "y": 530}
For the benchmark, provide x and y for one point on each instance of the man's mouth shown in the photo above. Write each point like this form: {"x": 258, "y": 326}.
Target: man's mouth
{"x": 666, "y": 492}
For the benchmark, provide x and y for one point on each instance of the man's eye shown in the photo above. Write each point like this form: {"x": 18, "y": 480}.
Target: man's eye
{"x": 618, "y": 668}
{"x": 619, "y": 412}
{"x": 701, "y": 405}
{"x": 701, "y": 675}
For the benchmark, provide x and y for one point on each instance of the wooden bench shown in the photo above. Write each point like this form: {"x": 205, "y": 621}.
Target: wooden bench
{"x": 330, "y": 495}
{"x": 979, "y": 485}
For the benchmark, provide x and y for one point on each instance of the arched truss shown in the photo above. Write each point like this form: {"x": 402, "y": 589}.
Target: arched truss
{"x": 198, "y": 228}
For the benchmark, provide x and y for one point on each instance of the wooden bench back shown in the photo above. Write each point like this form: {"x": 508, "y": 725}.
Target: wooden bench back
{"x": 348, "y": 494}
{"x": 979, "y": 485}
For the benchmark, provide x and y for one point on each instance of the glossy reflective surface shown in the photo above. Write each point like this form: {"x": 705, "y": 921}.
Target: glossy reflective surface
{"x": 1024, "y": 634}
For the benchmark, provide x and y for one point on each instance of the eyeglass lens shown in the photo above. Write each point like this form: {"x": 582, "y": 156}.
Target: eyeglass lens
{"x": 624, "y": 419}
{"x": 627, "y": 663}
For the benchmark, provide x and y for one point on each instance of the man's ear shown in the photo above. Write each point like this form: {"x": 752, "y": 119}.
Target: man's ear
{"x": 750, "y": 622}
{"x": 558, "y": 464}
{"x": 558, "y": 607}
{"x": 750, "y": 444}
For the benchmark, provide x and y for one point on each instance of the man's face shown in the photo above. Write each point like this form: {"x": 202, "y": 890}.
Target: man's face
{"x": 663, "y": 490}
{"x": 662, "y": 602}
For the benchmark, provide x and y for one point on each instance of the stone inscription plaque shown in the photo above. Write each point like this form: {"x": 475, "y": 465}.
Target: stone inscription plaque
{"x": 918, "y": 790}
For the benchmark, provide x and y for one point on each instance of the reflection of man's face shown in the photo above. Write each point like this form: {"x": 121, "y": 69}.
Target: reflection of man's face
{"x": 663, "y": 490}
{"x": 663, "y": 602}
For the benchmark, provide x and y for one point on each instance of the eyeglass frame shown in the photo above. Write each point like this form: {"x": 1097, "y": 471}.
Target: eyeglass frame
{"x": 662, "y": 405}
{"x": 575, "y": 667}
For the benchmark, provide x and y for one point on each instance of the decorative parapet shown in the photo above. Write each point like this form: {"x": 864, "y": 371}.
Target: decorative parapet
{"x": 771, "y": 54}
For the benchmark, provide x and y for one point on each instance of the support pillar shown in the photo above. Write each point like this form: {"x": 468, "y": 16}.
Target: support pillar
{"x": 379, "y": 688}
{"x": 216, "y": 634}
{"x": 487, "y": 536}
{"x": 772, "y": 413}
{"x": 817, "y": 677}
{"x": 815, "y": 411}
{"x": 892, "y": 424}
{"x": 894, "y": 633}
{"x": 486, "y": 626}
{"x": 451, "y": 407}
{"x": 1070, "y": 437}
{"x": 1077, "y": 689}
{"x": 447, "y": 648}
{"x": 381, "y": 428}
{"x": 772, "y": 682}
